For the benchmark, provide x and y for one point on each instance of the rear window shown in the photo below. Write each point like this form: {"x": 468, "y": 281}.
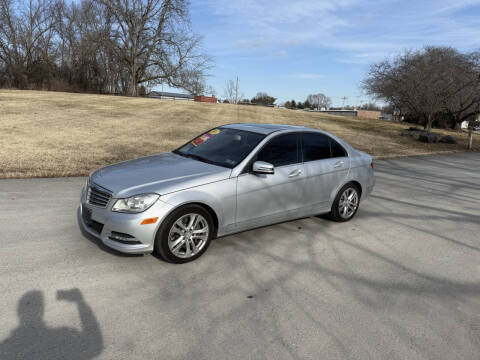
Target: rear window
{"x": 315, "y": 147}
{"x": 318, "y": 146}
{"x": 337, "y": 149}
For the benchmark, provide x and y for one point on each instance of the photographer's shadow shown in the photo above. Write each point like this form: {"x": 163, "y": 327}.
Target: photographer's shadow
{"x": 33, "y": 339}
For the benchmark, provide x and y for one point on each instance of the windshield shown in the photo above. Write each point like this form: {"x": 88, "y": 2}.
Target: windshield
{"x": 221, "y": 146}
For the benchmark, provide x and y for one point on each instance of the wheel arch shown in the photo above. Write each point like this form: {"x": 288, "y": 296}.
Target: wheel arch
{"x": 207, "y": 207}
{"x": 334, "y": 210}
{"x": 212, "y": 213}
{"x": 340, "y": 187}
{"x": 357, "y": 184}
{"x": 353, "y": 182}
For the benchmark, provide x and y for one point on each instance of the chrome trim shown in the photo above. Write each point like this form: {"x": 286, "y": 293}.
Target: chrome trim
{"x": 98, "y": 195}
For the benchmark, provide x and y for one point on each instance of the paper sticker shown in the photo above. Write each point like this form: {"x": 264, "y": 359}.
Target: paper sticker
{"x": 203, "y": 138}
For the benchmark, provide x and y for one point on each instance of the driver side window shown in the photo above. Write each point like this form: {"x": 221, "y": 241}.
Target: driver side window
{"x": 281, "y": 150}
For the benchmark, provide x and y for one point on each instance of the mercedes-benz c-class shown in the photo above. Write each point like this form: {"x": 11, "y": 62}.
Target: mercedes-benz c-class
{"x": 229, "y": 179}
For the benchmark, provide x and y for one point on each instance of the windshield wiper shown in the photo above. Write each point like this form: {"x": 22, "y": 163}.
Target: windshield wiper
{"x": 196, "y": 157}
{"x": 192, "y": 156}
{"x": 199, "y": 158}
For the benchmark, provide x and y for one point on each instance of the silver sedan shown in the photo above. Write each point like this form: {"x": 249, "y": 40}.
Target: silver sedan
{"x": 229, "y": 179}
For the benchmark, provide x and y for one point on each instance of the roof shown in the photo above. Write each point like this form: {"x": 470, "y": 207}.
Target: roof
{"x": 170, "y": 94}
{"x": 263, "y": 128}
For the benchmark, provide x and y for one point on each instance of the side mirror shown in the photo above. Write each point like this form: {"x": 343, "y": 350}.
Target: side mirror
{"x": 262, "y": 167}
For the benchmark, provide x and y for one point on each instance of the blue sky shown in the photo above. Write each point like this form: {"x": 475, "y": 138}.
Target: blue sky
{"x": 293, "y": 48}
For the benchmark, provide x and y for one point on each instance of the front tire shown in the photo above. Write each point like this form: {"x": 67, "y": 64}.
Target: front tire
{"x": 185, "y": 234}
{"x": 346, "y": 203}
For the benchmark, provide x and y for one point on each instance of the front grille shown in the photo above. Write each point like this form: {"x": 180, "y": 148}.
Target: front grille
{"x": 97, "y": 196}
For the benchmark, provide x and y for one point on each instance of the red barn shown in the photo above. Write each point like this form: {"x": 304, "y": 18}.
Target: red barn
{"x": 210, "y": 99}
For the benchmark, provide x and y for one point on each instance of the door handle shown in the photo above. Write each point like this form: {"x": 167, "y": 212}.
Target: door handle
{"x": 294, "y": 173}
{"x": 338, "y": 164}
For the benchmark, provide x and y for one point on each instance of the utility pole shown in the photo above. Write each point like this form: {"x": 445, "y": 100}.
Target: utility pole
{"x": 343, "y": 104}
{"x": 236, "y": 92}
{"x": 358, "y": 102}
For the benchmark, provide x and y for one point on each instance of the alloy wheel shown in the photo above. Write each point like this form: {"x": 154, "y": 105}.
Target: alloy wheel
{"x": 348, "y": 203}
{"x": 188, "y": 235}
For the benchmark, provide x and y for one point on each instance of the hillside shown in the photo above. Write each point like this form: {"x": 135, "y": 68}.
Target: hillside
{"x": 64, "y": 134}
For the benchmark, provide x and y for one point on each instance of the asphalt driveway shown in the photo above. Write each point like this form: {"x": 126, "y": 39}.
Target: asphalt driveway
{"x": 400, "y": 281}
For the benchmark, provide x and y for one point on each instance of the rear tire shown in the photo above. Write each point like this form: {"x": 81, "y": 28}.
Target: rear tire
{"x": 185, "y": 234}
{"x": 346, "y": 203}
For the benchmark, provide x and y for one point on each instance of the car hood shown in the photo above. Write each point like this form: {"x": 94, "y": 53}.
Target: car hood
{"x": 161, "y": 174}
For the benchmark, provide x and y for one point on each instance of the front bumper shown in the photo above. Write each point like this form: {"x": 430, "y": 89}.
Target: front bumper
{"x": 109, "y": 224}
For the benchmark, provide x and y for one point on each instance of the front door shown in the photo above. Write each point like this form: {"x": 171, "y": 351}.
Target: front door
{"x": 266, "y": 198}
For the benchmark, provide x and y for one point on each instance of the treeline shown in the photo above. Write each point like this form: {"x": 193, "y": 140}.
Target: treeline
{"x": 101, "y": 46}
{"x": 262, "y": 98}
{"x": 314, "y": 101}
{"x": 434, "y": 86}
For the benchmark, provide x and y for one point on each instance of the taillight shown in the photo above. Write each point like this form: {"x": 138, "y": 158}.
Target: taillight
{"x": 371, "y": 164}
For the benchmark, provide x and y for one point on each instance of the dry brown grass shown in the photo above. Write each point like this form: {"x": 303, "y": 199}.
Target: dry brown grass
{"x": 64, "y": 134}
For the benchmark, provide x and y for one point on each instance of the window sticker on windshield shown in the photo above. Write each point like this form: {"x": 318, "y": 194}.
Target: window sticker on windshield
{"x": 203, "y": 138}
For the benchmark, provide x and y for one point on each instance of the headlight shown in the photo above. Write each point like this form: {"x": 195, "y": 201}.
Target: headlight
{"x": 135, "y": 204}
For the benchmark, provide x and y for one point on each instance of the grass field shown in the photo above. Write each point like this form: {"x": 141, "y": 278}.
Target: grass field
{"x": 63, "y": 134}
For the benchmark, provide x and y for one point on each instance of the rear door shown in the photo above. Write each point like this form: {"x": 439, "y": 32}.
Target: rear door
{"x": 326, "y": 164}
{"x": 266, "y": 198}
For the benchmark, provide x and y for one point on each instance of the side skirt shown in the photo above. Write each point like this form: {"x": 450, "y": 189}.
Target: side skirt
{"x": 273, "y": 219}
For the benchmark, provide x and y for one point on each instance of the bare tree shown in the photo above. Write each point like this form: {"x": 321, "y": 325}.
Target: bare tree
{"x": 112, "y": 46}
{"x": 428, "y": 82}
{"x": 87, "y": 61}
{"x": 319, "y": 101}
{"x": 210, "y": 90}
{"x": 232, "y": 91}
{"x": 27, "y": 41}
{"x": 155, "y": 43}
{"x": 370, "y": 106}
{"x": 462, "y": 95}
{"x": 229, "y": 91}
{"x": 199, "y": 87}
{"x": 9, "y": 47}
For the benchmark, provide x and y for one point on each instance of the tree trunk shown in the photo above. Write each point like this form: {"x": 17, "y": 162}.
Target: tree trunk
{"x": 428, "y": 124}
{"x": 133, "y": 78}
{"x": 470, "y": 136}
{"x": 133, "y": 86}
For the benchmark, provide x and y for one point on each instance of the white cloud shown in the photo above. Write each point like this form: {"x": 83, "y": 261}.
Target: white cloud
{"x": 363, "y": 31}
{"x": 292, "y": 42}
{"x": 252, "y": 43}
{"x": 307, "y": 76}
{"x": 279, "y": 11}
{"x": 457, "y": 4}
